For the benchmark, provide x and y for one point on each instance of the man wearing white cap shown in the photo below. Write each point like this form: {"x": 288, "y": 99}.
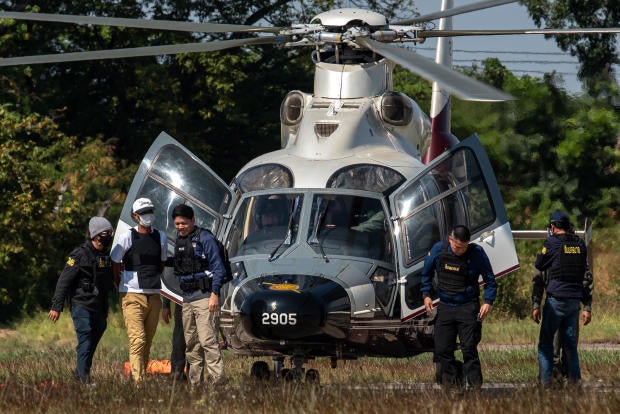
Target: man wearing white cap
{"x": 138, "y": 259}
{"x": 86, "y": 281}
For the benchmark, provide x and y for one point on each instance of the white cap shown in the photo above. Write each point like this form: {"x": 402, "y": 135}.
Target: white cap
{"x": 141, "y": 205}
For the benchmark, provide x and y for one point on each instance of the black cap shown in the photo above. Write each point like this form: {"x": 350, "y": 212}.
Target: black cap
{"x": 560, "y": 220}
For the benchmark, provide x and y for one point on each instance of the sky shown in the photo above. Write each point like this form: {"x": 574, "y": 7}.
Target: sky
{"x": 522, "y": 54}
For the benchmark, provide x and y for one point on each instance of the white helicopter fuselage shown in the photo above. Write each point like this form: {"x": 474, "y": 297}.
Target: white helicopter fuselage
{"x": 343, "y": 123}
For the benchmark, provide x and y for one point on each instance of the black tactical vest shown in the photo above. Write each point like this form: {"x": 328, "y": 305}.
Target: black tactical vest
{"x": 189, "y": 256}
{"x": 144, "y": 257}
{"x": 571, "y": 263}
{"x": 97, "y": 273}
{"x": 453, "y": 273}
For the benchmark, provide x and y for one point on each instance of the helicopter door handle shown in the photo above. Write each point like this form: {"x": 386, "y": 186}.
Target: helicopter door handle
{"x": 486, "y": 235}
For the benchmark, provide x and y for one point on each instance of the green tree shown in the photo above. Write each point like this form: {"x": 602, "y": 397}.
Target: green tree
{"x": 50, "y": 184}
{"x": 203, "y": 100}
{"x": 596, "y": 53}
{"x": 549, "y": 149}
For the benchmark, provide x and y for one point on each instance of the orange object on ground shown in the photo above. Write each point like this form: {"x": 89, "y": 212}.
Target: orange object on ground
{"x": 155, "y": 366}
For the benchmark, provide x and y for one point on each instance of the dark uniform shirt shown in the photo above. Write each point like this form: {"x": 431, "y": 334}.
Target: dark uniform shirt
{"x": 479, "y": 264}
{"x": 85, "y": 280}
{"x": 205, "y": 249}
{"x": 549, "y": 259}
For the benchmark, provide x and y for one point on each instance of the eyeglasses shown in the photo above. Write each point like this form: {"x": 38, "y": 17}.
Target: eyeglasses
{"x": 105, "y": 233}
{"x": 145, "y": 212}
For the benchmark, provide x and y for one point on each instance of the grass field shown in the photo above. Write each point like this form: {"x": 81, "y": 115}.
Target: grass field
{"x": 37, "y": 359}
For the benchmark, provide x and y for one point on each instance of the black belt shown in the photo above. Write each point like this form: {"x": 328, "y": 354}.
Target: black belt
{"x": 204, "y": 284}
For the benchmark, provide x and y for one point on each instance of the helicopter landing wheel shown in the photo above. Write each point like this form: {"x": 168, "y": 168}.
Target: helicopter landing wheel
{"x": 312, "y": 377}
{"x": 287, "y": 374}
{"x": 260, "y": 371}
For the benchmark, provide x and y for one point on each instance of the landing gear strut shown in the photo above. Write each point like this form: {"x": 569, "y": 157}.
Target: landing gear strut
{"x": 260, "y": 371}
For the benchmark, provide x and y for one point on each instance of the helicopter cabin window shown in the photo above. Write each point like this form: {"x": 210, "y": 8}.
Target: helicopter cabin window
{"x": 264, "y": 177}
{"x": 347, "y": 225}
{"x": 451, "y": 193}
{"x": 366, "y": 177}
{"x": 264, "y": 224}
{"x": 174, "y": 168}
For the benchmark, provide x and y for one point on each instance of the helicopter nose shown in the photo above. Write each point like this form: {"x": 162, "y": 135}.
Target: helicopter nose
{"x": 293, "y": 314}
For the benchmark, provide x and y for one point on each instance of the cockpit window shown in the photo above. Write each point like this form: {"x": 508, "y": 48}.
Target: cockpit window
{"x": 349, "y": 225}
{"x": 263, "y": 177}
{"x": 263, "y": 223}
{"x": 366, "y": 177}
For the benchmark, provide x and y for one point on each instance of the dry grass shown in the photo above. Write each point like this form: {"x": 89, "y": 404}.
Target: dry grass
{"x": 366, "y": 386}
{"x": 36, "y": 365}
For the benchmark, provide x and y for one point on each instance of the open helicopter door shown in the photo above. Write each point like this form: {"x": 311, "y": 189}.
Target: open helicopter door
{"x": 170, "y": 175}
{"x": 458, "y": 187}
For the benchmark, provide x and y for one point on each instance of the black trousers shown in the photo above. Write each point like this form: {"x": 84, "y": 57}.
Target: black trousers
{"x": 177, "y": 356}
{"x": 463, "y": 321}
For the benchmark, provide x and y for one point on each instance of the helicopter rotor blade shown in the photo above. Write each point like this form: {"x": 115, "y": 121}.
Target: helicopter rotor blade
{"x": 486, "y": 4}
{"x": 138, "y": 23}
{"x": 137, "y": 51}
{"x": 455, "y": 33}
{"x": 461, "y": 86}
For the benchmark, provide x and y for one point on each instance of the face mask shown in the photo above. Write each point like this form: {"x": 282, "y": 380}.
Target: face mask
{"x": 146, "y": 220}
{"x": 105, "y": 240}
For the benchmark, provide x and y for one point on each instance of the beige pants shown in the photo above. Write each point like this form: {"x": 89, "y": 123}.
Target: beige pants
{"x": 200, "y": 328}
{"x": 141, "y": 314}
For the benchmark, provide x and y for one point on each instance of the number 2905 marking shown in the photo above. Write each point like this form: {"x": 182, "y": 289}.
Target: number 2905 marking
{"x": 273, "y": 318}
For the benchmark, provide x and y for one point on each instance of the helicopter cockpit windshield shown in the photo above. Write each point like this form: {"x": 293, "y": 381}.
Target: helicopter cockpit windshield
{"x": 265, "y": 222}
{"x": 349, "y": 225}
{"x": 334, "y": 224}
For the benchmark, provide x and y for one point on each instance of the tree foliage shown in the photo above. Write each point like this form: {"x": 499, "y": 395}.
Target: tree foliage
{"x": 596, "y": 53}
{"x": 50, "y": 184}
{"x": 550, "y": 150}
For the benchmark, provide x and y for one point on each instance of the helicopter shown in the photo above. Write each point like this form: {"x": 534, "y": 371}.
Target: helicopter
{"x": 327, "y": 235}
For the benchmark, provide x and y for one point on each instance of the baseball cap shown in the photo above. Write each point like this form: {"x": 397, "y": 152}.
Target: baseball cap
{"x": 98, "y": 225}
{"x": 560, "y": 219}
{"x": 141, "y": 205}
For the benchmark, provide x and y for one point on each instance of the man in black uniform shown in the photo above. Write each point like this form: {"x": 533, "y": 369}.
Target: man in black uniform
{"x": 86, "y": 281}
{"x": 458, "y": 264}
{"x": 564, "y": 256}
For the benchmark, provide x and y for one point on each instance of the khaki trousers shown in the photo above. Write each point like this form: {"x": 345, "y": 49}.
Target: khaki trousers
{"x": 200, "y": 328}
{"x": 141, "y": 314}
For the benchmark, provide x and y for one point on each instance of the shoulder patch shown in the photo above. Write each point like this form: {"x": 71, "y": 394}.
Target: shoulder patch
{"x": 544, "y": 250}
{"x": 70, "y": 261}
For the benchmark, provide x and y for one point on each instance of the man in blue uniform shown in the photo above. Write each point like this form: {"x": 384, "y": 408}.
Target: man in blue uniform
{"x": 457, "y": 265}
{"x": 539, "y": 284}
{"x": 201, "y": 274}
{"x": 86, "y": 281}
{"x": 564, "y": 257}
